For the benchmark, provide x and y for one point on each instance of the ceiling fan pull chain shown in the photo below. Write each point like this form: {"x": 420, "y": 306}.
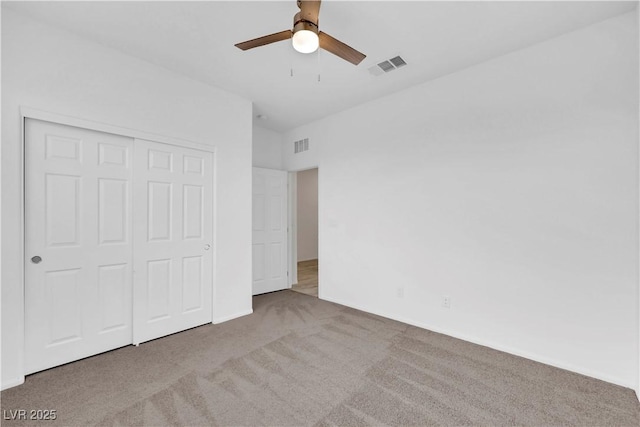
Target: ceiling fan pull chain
{"x": 319, "y": 70}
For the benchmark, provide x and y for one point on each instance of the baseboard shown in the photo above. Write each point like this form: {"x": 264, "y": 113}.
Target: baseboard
{"x": 495, "y": 346}
{"x": 232, "y": 316}
{"x": 12, "y": 383}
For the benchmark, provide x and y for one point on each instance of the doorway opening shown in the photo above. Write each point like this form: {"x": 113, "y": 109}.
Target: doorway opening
{"x": 306, "y": 232}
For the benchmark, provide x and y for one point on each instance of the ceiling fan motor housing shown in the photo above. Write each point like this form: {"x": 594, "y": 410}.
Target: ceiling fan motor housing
{"x": 300, "y": 23}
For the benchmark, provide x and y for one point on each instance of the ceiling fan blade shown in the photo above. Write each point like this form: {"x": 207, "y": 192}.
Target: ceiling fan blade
{"x": 309, "y": 10}
{"x": 340, "y": 49}
{"x": 261, "y": 41}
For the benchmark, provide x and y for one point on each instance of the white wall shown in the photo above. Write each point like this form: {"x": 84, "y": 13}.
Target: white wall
{"x": 306, "y": 159}
{"x": 55, "y": 71}
{"x": 307, "y": 214}
{"x": 267, "y": 148}
{"x": 511, "y": 187}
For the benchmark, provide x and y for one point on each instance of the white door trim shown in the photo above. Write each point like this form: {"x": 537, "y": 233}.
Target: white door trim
{"x": 292, "y": 256}
{"x": 292, "y": 225}
{"x": 34, "y": 113}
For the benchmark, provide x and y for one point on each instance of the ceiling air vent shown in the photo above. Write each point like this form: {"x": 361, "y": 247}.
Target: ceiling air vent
{"x": 301, "y": 145}
{"x": 398, "y": 62}
{"x": 387, "y": 66}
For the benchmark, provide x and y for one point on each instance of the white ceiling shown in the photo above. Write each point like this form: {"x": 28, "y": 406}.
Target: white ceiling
{"x": 197, "y": 39}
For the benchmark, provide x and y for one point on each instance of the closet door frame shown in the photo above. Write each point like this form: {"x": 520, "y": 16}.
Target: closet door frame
{"x": 33, "y": 113}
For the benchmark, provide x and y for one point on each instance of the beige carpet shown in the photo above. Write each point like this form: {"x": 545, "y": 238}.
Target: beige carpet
{"x": 302, "y": 361}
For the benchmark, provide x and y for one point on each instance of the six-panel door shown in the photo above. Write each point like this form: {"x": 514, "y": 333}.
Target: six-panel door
{"x": 118, "y": 242}
{"x": 269, "y": 230}
{"x": 173, "y": 239}
{"x": 78, "y": 243}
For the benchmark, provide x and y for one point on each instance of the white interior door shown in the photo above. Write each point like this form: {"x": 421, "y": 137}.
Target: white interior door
{"x": 78, "y": 243}
{"x": 173, "y": 239}
{"x": 269, "y": 230}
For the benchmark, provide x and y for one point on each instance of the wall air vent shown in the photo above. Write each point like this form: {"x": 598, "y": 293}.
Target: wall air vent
{"x": 387, "y": 66}
{"x": 300, "y": 146}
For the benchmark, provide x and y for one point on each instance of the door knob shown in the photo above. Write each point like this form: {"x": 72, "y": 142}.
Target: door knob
{"x": 36, "y": 259}
{"x": 207, "y": 247}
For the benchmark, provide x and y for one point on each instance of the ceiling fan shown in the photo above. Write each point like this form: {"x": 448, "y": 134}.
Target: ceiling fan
{"x": 306, "y": 37}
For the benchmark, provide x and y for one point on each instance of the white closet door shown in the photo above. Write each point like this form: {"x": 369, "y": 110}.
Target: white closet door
{"x": 269, "y": 230}
{"x": 173, "y": 239}
{"x": 78, "y": 243}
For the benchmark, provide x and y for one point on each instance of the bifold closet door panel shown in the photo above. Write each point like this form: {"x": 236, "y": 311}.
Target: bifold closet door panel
{"x": 78, "y": 243}
{"x": 173, "y": 239}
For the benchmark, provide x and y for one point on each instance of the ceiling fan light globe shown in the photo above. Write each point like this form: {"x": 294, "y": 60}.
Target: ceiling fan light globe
{"x": 305, "y": 41}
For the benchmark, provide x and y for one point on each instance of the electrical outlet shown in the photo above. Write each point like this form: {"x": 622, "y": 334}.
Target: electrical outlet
{"x": 400, "y": 292}
{"x": 446, "y": 301}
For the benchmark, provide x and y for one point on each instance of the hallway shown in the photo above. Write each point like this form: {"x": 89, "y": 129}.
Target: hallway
{"x": 307, "y": 278}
